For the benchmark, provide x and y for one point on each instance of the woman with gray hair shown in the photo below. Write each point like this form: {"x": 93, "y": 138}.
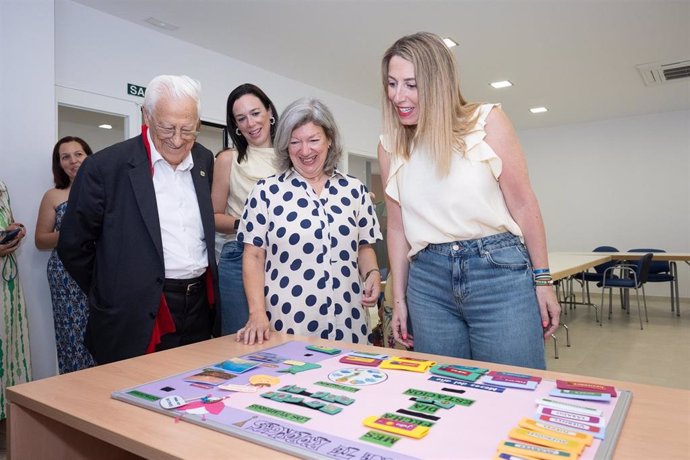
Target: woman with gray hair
{"x": 308, "y": 264}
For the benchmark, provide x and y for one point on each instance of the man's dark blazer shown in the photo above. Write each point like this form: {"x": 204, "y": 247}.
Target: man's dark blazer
{"x": 110, "y": 242}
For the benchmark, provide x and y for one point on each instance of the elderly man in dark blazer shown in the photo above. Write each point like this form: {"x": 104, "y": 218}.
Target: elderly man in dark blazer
{"x": 138, "y": 233}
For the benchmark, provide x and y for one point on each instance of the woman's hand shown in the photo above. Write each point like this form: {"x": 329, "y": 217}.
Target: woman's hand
{"x": 12, "y": 245}
{"x": 256, "y": 330}
{"x": 549, "y": 308}
{"x": 372, "y": 289}
{"x": 399, "y": 324}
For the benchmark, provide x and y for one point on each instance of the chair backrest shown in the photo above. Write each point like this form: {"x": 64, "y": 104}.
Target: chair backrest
{"x": 601, "y": 268}
{"x": 642, "y": 270}
{"x": 656, "y": 267}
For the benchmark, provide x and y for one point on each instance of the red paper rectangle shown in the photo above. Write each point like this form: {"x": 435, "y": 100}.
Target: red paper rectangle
{"x": 585, "y": 386}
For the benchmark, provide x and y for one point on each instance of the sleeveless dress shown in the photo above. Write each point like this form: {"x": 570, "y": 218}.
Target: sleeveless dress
{"x": 15, "y": 357}
{"x": 70, "y": 311}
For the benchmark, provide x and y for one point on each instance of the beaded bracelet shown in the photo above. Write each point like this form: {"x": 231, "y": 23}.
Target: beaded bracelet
{"x": 543, "y": 283}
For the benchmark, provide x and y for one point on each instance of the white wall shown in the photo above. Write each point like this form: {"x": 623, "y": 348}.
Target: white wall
{"x": 27, "y": 136}
{"x": 623, "y": 183}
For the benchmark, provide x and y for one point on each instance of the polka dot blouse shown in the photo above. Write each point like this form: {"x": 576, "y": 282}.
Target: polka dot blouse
{"x": 312, "y": 284}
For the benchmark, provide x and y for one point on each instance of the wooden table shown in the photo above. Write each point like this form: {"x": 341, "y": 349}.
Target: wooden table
{"x": 658, "y": 256}
{"x": 671, "y": 257}
{"x": 565, "y": 264}
{"x": 73, "y": 416}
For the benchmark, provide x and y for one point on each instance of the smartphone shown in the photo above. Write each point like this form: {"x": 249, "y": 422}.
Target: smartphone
{"x": 7, "y": 236}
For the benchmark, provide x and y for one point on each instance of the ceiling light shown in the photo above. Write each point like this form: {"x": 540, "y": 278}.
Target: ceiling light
{"x": 161, "y": 24}
{"x": 538, "y": 110}
{"x": 105, "y": 126}
{"x": 501, "y": 84}
{"x": 450, "y": 42}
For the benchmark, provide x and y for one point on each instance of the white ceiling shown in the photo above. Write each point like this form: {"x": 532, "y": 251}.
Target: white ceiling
{"x": 577, "y": 57}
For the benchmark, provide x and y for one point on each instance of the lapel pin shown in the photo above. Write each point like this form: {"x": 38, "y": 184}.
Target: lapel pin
{"x": 203, "y": 173}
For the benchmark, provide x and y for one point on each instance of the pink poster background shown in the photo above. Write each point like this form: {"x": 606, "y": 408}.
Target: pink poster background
{"x": 461, "y": 433}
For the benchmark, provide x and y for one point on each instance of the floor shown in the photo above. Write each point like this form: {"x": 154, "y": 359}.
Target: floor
{"x": 657, "y": 355}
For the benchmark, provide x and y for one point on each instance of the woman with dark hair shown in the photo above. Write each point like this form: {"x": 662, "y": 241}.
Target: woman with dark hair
{"x": 251, "y": 122}
{"x": 70, "y": 311}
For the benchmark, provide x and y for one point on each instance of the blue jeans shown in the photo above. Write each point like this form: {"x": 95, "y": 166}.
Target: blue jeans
{"x": 234, "y": 309}
{"x": 475, "y": 299}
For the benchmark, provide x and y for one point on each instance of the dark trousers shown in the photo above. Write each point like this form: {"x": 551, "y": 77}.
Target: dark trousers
{"x": 188, "y": 304}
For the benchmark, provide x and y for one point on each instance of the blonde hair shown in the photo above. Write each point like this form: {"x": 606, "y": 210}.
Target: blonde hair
{"x": 444, "y": 115}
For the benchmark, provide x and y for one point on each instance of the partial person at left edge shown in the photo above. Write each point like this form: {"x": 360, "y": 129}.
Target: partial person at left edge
{"x": 138, "y": 235}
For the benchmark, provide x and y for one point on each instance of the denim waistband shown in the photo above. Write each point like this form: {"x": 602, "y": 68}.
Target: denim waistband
{"x": 476, "y": 246}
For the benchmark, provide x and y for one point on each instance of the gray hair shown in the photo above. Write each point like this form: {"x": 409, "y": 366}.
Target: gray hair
{"x": 175, "y": 86}
{"x": 298, "y": 114}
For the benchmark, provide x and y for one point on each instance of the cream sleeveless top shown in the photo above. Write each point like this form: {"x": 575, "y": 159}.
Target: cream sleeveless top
{"x": 259, "y": 164}
{"x": 466, "y": 204}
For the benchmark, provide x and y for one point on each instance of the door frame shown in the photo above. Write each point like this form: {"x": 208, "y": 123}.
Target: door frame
{"x": 94, "y": 102}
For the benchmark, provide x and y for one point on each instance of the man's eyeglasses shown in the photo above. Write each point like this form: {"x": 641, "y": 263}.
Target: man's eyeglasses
{"x": 167, "y": 133}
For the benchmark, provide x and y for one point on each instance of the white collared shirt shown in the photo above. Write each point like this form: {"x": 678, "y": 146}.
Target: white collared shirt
{"x": 182, "y": 233}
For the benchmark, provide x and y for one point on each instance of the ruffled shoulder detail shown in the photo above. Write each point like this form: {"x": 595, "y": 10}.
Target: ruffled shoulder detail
{"x": 476, "y": 150}
{"x": 396, "y": 162}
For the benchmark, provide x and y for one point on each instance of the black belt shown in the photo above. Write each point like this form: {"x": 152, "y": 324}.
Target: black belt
{"x": 189, "y": 286}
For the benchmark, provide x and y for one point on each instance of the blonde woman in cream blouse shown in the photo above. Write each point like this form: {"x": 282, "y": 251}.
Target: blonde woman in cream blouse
{"x": 251, "y": 122}
{"x": 466, "y": 239}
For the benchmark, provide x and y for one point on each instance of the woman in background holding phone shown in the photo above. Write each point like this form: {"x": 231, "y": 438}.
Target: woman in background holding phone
{"x": 70, "y": 310}
{"x": 15, "y": 365}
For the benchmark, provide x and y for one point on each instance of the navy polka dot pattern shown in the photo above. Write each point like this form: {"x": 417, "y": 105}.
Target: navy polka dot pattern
{"x": 311, "y": 242}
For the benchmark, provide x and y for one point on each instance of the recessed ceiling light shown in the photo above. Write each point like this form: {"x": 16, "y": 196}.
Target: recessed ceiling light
{"x": 450, "y": 42}
{"x": 105, "y": 126}
{"x": 538, "y": 110}
{"x": 161, "y": 24}
{"x": 501, "y": 84}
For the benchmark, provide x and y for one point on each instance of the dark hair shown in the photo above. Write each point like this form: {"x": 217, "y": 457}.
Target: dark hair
{"x": 59, "y": 175}
{"x": 239, "y": 141}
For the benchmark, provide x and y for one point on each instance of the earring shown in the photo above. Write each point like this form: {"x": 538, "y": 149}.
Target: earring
{"x": 272, "y": 120}
{"x": 237, "y": 131}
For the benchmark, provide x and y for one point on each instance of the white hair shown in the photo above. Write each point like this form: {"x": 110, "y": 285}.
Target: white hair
{"x": 175, "y": 86}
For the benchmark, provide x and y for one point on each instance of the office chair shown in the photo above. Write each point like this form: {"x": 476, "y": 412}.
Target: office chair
{"x": 631, "y": 277}
{"x": 664, "y": 272}
{"x": 597, "y": 277}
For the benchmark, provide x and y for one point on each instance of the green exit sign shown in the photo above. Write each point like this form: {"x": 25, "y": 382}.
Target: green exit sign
{"x": 135, "y": 90}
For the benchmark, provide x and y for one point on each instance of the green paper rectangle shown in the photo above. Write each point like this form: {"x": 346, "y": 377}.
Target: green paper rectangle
{"x": 424, "y": 408}
{"x": 337, "y": 387}
{"x": 278, "y": 413}
{"x": 331, "y": 409}
{"x": 142, "y": 395}
{"x": 385, "y": 440}
{"x": 438, "y": 396}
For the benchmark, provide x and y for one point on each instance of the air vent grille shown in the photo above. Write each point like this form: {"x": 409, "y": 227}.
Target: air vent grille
{"x": 678, "y": 72}
{"x": 658, "y": 73}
